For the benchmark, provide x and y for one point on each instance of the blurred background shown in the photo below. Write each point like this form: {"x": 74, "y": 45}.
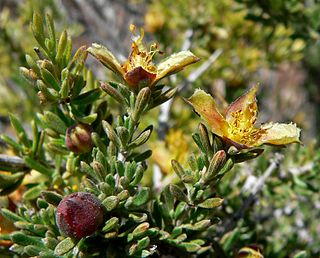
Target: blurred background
{"x": 240, "y": 42}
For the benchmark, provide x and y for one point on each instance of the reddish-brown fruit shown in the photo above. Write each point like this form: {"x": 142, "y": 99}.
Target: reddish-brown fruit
{"x": 78, "y": 138}
{"x": 79, "y": 215}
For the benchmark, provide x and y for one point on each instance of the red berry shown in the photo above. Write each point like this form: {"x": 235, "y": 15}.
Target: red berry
{"x": 79, "y": 215}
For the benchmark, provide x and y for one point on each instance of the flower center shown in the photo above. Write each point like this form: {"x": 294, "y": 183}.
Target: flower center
{"x": 242, "y": 129}
{"x": 139, "y": 56}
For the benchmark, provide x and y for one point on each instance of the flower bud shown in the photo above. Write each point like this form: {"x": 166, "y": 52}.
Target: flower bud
{"x": 78, "y": 138}
{"x": 79, "y": 215}
{"x": 217, "y": 162}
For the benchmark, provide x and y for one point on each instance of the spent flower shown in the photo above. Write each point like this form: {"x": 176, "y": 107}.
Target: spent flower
{"x": 139, "y": 70}
{"x": 237, "y": 126}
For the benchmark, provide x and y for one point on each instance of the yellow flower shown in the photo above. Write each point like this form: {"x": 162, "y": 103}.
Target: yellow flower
{"x": 237, "y": 126}
{"x": 139, "y": 69}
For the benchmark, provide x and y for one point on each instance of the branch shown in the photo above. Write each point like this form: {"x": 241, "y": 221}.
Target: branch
{"x": 249, "y": 201}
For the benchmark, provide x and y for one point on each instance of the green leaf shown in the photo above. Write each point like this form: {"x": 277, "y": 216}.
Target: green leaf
{"x": 12, "y": 143}
{"x": 190, "y": 247}
{"x": 49, "y": 79}
{"x": 142, "y": 138}
{"x": 23, "y": 239}
{"x": 20, "y": 132}
{"x": 7, "y": 180}
{"x": 37, "y": 28}
{"x": 301, "y": 254}
{"x": 143, "y": 243}
{"x": 178, "y": 193}
{"x": 32, "y": 250}
{"x": 62, "y": 45}
{"x": 142, "y": 156}
{"x": 11, "y": 188}
{"x": 167, "y": 198}
{"x": 139, "y": 231}
{"x": 178, "y": 169}
{"x": 205, "y": 140}
{"x": 111, "y": 202}
{"x": 37, "y": 166}
{"x": 52, "y": 197}
{"x": 114, "y": 93}
{"x": 33, "y": 192}
{"x": 64, "y": 246}
{"x": 141, "y": 103}
{"x": 111, "y": 133}
{"x": 51, "y": 29}
{"x": 87, "y": 97}
{"x": 50, "y": 95}
{"x": 54, "y": 122}
{"x": 111, "y": 224}
{"x": 142, "y": 197}
{"x": 10, "y": 215}
{"x": 211, "y": 203}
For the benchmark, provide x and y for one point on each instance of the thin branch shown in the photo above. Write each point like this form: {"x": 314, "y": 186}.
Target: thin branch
{"x": 249, "y": 201}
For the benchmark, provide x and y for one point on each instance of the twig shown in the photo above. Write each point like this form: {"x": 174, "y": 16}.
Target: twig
{"x": 232, "y": 222}
{"x": 166, "y": 107}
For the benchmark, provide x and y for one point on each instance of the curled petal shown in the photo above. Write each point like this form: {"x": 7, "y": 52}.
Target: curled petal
{"x": 106, "y": 58}
{"x": 244, "y": 109}
{"x": 175, "y": 63}
{"x": 279, "y": 134}
{"x": 205, "y": 106}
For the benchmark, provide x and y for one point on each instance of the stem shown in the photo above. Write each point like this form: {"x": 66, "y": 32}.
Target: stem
{"x": 249, "y": 201}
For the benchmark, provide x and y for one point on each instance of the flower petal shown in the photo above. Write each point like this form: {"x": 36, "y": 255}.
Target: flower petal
{"x": 244, "y": 109}
{"x": 106, "y": 58}
{"x": 279, "y": 134}
{"x": 139, "y": 76}
{"x": 205, "y": 106}
{"x": 175, "y": 63}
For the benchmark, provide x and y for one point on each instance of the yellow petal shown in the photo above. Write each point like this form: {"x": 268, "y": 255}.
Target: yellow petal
{"x": 175, "y": 63}
{"x": 243, "y": 111}
{"x": 106, "y": 58}
{"x": 205, "y": 106}
{"x": 279, "y": 134}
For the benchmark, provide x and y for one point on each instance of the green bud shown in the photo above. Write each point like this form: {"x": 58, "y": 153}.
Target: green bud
{"x": 141, "y": 103}
{"x": 111, "y": 133}
{"x": 62, "y": 45}
{"x": 114, "y": 93}
{"x": 37, "y": 28}
{"x": 29, "y": 74}
{"x": 217, "y": 162}
{"x": 205, "y": 140}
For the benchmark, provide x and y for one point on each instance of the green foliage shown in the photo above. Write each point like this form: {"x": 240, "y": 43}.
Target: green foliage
{"x": 203, "y": 211}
